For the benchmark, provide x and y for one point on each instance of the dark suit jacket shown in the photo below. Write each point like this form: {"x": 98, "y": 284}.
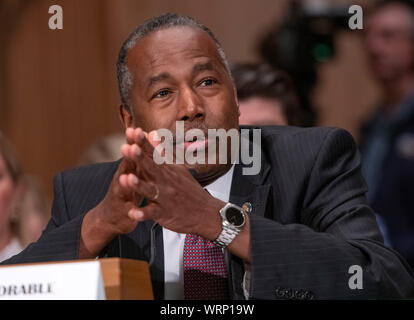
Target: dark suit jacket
{"x": 310, "y": 222}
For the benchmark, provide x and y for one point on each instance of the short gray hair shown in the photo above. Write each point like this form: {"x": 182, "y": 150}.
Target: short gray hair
{"x": 164, "y": 21}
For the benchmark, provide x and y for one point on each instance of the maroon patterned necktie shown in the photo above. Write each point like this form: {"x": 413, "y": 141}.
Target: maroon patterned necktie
{"x": 205, "y": 273}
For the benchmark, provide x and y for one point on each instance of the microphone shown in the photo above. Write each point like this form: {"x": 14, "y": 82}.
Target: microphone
{"x": 153, "y": 247}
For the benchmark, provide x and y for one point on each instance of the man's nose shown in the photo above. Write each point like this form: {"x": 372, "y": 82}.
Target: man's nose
{"x": 190, "y": 105}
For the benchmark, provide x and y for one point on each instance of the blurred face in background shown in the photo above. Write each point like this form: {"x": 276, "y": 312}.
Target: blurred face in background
{"x": 390, "y": 41}
{"x": 258, "y": 111}
{"x": 7, "y": 194}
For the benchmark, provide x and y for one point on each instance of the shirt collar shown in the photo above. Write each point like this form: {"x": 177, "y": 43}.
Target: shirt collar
{"x": 220, "y": 188}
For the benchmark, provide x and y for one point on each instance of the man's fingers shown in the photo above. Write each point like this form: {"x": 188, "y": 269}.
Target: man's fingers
{"x": 123, "y": 181}
{"x": 124, "y": 191}
{"x": 127, "y": 165}
{"x": 129, "y": 151}
{"x": 134, "y": 135}
{"x": 125, "y": 150}
{"x": 140, "y": 149}
{"x": 129, "y": 133}
{"x": 143, "y": 213}
{"x": 136, "y": 214}
{"x": 152, "y": 138}
{"x": 144, "y": 163}
{"x": 138, "y": 135}
{"x": 141, "y": 139}
{"x": 146, "y": 189}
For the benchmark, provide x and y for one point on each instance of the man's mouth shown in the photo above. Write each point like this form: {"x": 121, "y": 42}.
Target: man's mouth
{"x": 195, "y": 143}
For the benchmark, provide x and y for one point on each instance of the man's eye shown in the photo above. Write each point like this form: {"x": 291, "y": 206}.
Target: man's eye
{"x": 208, "y": 82}
{"x": 161, "y": 94}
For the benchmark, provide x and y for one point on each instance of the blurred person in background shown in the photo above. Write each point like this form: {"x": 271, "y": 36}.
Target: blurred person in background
{"x": 10, "y": 191}
{"x": 266, "y": 95}
{"x": 105, "y": 150}
{"x": 33, "y": 210}
{"x": 387, "y": 139}
{"x": 23, "y": 206}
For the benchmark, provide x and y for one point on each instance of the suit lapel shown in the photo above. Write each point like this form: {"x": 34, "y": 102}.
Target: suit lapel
{"x": 251, "y": 188}
{"x": 254, "y": 190}
{"x": 157, "y": 267}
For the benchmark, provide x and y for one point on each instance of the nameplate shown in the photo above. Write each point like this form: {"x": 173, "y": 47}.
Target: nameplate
{"x": 52, "y": 281}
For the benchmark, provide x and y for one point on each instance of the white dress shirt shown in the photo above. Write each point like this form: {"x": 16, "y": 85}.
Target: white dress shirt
{"x": 174, "y": 242}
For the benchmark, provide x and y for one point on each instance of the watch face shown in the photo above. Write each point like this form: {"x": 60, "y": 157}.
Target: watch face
{"x": 235, "y": 217}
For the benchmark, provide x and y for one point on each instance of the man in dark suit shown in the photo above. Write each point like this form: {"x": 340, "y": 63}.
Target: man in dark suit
{"x": 292, "y": 231}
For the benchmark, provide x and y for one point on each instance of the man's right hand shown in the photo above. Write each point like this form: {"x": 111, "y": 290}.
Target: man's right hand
{"x": 110, "y": 217}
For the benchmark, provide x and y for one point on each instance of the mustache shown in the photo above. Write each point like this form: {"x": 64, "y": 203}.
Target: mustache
{"x": 201, "y": 127}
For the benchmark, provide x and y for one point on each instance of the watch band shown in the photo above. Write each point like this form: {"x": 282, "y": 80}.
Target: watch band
{"x": 229, "y": 231}
{"x": 227, "y": 235}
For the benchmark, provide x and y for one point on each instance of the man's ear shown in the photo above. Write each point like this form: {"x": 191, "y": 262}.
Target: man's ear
{"x": 236, "y": 98}
{"x": 125, "y": 116}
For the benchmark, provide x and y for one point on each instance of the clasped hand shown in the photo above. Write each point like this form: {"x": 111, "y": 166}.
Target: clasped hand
{"x": 175, "y": 199}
